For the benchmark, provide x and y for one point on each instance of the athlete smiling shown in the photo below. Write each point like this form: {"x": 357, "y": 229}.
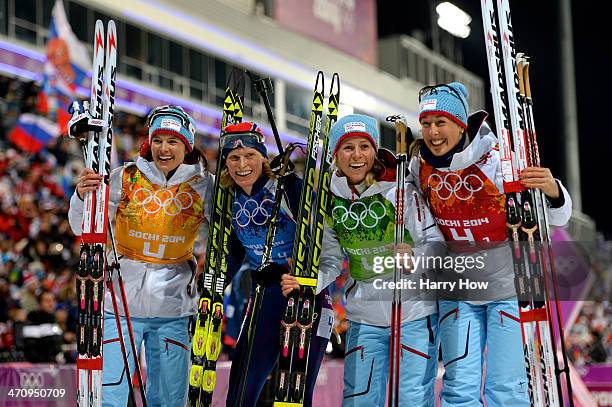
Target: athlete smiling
{"x": 247, "y": 170}
{"x": 361, "y": 225}
{"x": 157, "y": 206}
{"x": 457, "y": 166}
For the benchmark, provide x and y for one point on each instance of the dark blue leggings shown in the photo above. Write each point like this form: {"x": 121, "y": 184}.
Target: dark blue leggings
{"x": 266, "y": 348}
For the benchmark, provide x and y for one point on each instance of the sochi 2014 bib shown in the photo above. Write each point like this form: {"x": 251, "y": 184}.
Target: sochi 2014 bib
{"x": 154, "y": 223}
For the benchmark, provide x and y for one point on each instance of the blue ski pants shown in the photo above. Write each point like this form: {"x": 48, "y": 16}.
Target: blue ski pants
{"x": 366, "y": 364}
{"x": 167, "y": 353}
{"x": 465, "y": 331}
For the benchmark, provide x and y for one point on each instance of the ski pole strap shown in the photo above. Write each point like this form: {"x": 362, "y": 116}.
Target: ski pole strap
{"x": 193, "y": 266}
{"x": 285, "y": 162}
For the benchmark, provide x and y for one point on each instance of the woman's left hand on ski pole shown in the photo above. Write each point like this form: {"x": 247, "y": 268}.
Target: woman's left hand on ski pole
{"x": 288, "y": 284}
{"x": 403, "y": 252}
{"x": 542, "y": 178}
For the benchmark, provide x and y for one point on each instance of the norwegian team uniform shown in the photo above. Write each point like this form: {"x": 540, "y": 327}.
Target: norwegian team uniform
{"x": 467, "y": 201}
{"x": 156, "y": 222}
{"x": 361, "y": 226}
{"x": 250, "y": 221}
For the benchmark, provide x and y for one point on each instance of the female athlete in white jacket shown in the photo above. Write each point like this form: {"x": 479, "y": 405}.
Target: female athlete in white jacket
{"x": 157, "y": 206}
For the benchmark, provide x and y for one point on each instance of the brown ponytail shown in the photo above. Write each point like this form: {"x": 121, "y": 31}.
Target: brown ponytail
{"x": 196, "y": 156}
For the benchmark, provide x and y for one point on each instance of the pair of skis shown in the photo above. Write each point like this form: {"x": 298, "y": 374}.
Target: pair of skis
{"x": 298, "y": 318}
{"x": 206, "y": 341}
{"x": 395, "y": 342}
{"x": 526, "y": 218}
{"x": 93, "y": 269}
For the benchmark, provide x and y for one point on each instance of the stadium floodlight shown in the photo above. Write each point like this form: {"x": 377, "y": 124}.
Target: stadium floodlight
{"x": 454, "y": 20}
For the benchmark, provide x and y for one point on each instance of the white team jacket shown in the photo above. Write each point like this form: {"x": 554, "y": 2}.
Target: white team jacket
{"x": 482, "y": 154}
{"x": 362, "y": 306}
{"x": 152, "y": 290}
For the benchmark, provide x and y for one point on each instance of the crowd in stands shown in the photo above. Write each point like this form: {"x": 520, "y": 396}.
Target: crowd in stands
{"x": 590, "y": 338}
{"x": 36, "y": 245}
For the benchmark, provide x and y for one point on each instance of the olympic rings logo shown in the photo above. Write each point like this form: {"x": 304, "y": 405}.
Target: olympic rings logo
{"x": 31, "y": 379}
{"x": 454, "y": 185}
{"x": 163, "y": 199}
{"x": 358, "y": 213}
{"x": 252, "y": 211}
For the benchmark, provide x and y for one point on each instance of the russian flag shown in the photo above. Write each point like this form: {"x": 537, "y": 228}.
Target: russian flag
{"x": 64, "y": 69}
{"x": 33, "y": 132}
{"x": 57, "y": 103}
{"x": 78, "y": 56}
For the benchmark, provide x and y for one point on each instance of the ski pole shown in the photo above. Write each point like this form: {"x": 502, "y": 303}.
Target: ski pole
{"x": 525, "y": 91}
{"x": 263, "y": 86}
{"x": 266, "y": 257}
{"x": 128, "y": 319}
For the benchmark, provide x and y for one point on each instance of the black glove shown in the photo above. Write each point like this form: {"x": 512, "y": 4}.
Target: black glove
{"x": 81, "y": 121}
{"x": 268, "y": 274}
{"x": 277, "y": 165}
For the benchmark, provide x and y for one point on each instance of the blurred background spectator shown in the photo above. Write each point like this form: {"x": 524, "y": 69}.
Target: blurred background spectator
{"x": 42, "y": 335}
{"x": 590, "y": 337}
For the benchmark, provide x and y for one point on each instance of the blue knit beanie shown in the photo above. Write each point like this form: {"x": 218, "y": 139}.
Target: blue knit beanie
{"x": 357, "y": 125}
{"x": 175, "y": 121}
{"x": 447, "y": 100}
